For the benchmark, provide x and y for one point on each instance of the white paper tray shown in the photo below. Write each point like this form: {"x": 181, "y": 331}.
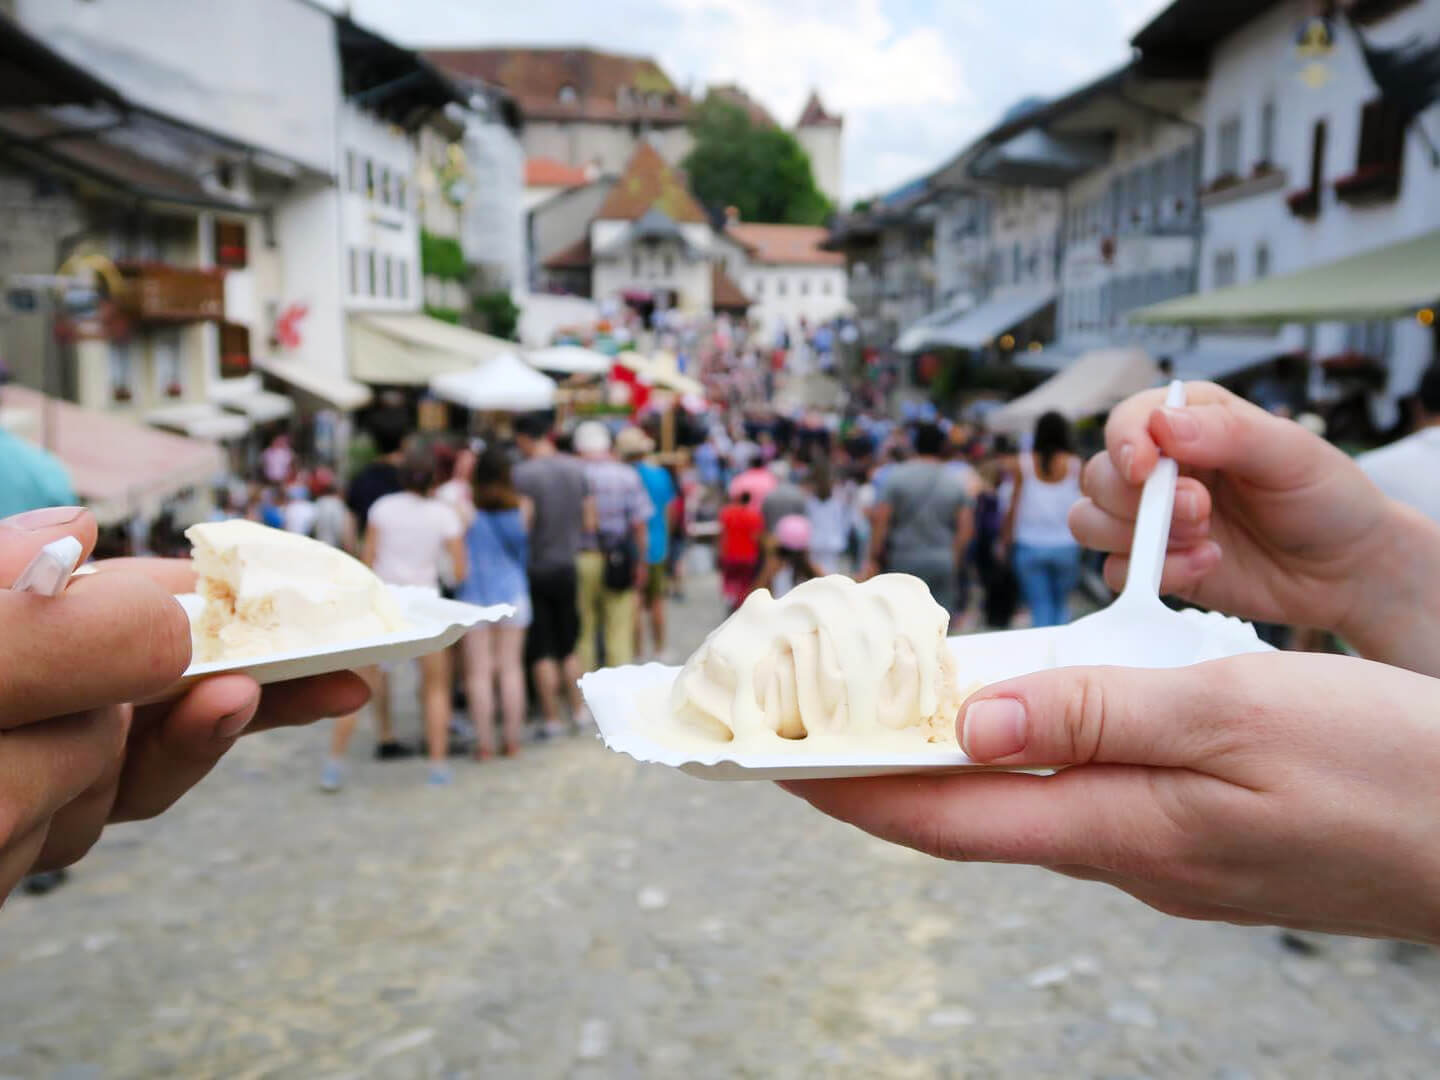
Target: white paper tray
{"x": 618, "y": 696}
{"x": 435, "y": 624}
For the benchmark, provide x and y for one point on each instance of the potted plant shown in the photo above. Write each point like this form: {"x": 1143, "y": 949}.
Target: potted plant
{"x": 122, "y": 393}
{"x": 174, "y": 389}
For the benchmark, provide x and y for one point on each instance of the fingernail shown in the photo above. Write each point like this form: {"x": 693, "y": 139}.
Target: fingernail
{"x": 1183, "y": 425}
{"x": 232, "y": 724}
{"x": 1187, "y": 505}
{"x": 994, "y": 728}
{"x": 49, "y": 518}
{"x": 1127, "y": 461}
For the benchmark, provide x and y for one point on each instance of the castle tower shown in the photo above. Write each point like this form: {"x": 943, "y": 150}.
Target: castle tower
{"x": 822, "y": 134}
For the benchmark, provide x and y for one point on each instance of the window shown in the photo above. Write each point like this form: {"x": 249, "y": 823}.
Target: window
{"x": 1317, "y": 157}
{"x": 372, "y": 279}
{"x": 567, "y": 95}
{"x": 780, "y": 286}
{"x": 758, "y": 289}
{"x": 230, "y": 245}
{"x": 622, "y": 96}
{"x": 1262, "y": 261}
{"x": 825, "y": 287}
{"x": 400, "y": 193}
{"x": 804, "y": 287}
{"x": 1382, "y": 136}
{"x": 1227, "y": 147}
{"x": 654, "y": 100}
{"x": 1015, "y": 263}
{"x": 234, "y": 350}
{"x": 165, "y": 354}
{"x": 1159, "y": 187}
{"x": 369, "y": 178}
{"x": 1267, "y": 133}
{"x": 669, "y": 265}
{"x": 1370, "y": 339}
{"x": 122, "y": 371}
{"x": 402, "y": 279}
{"x": 352, "y": 171}
{"x": 387, "y": 276}
{"x": 354, "y": 271}
{"x": 1224, "y": 272}
{"x": 635, "y": 265}
{"x": 384, "y": 187}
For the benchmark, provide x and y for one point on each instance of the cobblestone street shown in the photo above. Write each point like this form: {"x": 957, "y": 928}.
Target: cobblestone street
{"x": 573, "y": 914}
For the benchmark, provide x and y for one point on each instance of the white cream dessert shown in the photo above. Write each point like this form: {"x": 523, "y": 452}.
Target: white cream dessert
{"x": 269, "y": 591}
{"x": 832, "y": 657}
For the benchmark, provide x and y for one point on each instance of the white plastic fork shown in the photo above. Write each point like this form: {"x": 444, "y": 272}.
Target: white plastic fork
{"x": 1137, "y": 630}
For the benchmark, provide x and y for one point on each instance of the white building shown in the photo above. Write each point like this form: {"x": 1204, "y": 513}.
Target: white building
{"x": 788, "y": 278}
{"x": 822, "y": 134}
{"x": 1308, "y": 161}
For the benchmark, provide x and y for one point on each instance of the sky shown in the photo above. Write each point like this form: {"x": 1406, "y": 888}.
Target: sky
{"x": 915, "y": 79}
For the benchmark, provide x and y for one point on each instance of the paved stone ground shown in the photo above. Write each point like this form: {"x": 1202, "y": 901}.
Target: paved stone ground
{"x": 572, "y": 914}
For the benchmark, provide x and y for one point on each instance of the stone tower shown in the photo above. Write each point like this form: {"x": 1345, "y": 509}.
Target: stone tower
{"x": 822, "y": 134}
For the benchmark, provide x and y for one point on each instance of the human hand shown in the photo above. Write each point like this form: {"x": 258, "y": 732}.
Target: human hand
{"x": 1270, "y": 521}
{"x": 1271, "y": 789}
{"x": 75, "y": 755}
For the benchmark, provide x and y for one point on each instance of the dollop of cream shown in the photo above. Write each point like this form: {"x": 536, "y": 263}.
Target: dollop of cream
{"x": 832, "y": 657}
{"x": 270, "y": 591}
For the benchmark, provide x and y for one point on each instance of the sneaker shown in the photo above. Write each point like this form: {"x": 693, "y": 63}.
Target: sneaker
{"x": 44, "y": 882}
{"x": 393, "y": 750}
{"x": 583, "y": 720}
{"x": 438, "y": 776}
{"x": 332, "y": 776}
{"x": 555, "y": 729}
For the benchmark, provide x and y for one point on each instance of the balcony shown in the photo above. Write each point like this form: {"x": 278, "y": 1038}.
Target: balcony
{"x": 1379, "y": 182}
{"x": 1230, "y": 187}
{"x": 160, "y": 293}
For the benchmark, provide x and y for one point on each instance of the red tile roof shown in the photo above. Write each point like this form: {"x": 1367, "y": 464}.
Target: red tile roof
{"x": 815, "y": 115}
{"x": 547, "y": 172}
{"x": 607, "y": 86}
{"x": 648, "y": 182}
{"x": 736, "y": 95}
{"x": 786, "y": 245}
{"x": 724, "y": 293}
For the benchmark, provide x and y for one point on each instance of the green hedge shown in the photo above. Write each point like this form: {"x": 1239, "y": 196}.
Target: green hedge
{"x": 444, "y": 314}
{"x": 441, "y": 257}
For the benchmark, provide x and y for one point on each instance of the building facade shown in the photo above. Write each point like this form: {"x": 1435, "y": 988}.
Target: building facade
{"x": 791, "y": 282}
{"x": 822, "y": 135}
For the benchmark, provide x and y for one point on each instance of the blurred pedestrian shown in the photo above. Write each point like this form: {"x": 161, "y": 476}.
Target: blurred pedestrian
{"x": 334, "y": 524}
{"x": 456, "y": 469}
{"x": 277, "y": 460}
{"x": 787, "y": 557}
{"x": 497, "y": 549}
{"x": 1406, "y": 470}
{"x": 741, "y": 528}
{"x": 634, "y": 446}
{"x": 1037, "y": 532}
{"x": 555, "y": 485}
{"x": 410, "y": 536}
{"x": 830, "y": 509}
{"x": 612, "y": 563}
{"x": 380, "y": 477}
{"x": 298, "y": 513}
{"x": 922, "y": 521}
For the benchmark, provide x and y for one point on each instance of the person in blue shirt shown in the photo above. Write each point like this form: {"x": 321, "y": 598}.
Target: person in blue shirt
{"x": 634, "y": 446}
{"x": 30, "y": 478}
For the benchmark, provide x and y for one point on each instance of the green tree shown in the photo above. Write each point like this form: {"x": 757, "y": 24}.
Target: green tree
{"x": 761, "y": 171}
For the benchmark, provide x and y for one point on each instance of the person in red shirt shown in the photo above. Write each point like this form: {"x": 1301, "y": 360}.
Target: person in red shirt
{"x": 741, "y": 526}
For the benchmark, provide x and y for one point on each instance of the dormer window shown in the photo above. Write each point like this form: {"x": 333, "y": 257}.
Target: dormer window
{"x": 653, "y": 101}
{"x": 567, "y": 95}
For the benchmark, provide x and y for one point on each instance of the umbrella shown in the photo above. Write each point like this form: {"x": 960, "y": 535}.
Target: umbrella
{"x": 504, "y": 384}
{"x": 570, "y": 360}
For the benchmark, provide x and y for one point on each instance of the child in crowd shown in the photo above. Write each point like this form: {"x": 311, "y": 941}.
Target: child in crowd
{"x": 741, "y": 526}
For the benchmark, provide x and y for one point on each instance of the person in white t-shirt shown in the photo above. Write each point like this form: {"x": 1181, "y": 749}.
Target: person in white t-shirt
{"x": 410, "y": 537}
{"x": 1406, "y": 470}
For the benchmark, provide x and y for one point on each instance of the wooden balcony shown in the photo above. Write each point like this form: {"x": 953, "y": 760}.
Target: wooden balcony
{"x": 161, "y": 293}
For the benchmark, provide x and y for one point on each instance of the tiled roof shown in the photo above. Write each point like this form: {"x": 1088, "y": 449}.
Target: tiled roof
{"x": 815, "y": 115}
{"x": 649, "y": 183}
{"x": 724, "y": 293}
{"x": 574, "y": 257}
{"x": 785, "y": 245}
{"x": 736, "y": 95}
{"x": 607, "y": 86}
{"x": 547, "y": 172}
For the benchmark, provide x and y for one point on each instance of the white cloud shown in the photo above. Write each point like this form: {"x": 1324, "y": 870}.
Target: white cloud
{"x": 914, "y": 78}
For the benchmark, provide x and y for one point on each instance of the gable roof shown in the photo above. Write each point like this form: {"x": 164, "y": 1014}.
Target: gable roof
{"x": 787, "y": 245}
{"x": 649, "y": 182}
{"x": 575, "y": 257}
{"x": 547, "y": 172}
{"x": 724, "y": 293}
{"x": 607, "y": 86}
{"x": 815, "y": 114}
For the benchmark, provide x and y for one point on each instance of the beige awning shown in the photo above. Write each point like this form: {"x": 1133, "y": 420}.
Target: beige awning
{"x": 245, "y": 395}
{"x": 119, "y": 468}
{"x": 410, "y": 350}
{"x": 200, "y": 420}
{"x": 1096, "y": 382}
{"x": 344, "y": 394}
{"x": 1386, "y": 283}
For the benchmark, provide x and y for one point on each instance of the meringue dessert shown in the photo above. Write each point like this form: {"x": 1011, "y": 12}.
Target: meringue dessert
{"x": 832, "y": 658}
{"x": 270, "y": 591}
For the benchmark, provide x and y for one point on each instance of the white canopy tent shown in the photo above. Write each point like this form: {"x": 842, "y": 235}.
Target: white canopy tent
{"x": 570, "y": 360}
{"x": 1094, "y": 383}
{"x": 503, "y": 384}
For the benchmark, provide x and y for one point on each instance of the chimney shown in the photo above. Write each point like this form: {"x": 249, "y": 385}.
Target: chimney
{"x": 732, "y": 216}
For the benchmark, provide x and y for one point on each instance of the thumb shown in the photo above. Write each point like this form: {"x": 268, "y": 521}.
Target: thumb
{"x": 23, "y": 535}
{"x": 1079, "y": 716}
